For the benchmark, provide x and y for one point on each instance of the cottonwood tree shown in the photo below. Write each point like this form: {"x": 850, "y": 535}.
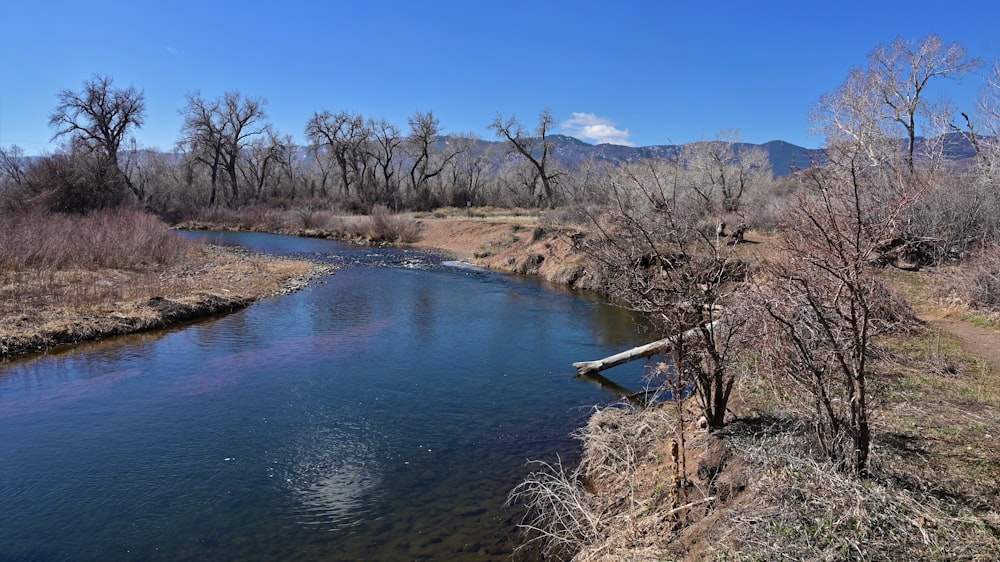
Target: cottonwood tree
{"x": 340, "y": 137}
{"x": 13, "y": 167}
{"x": 202, "y": 137}
{"x": 242, "y": 119}
{"x": 882, "y": 117}
{"x": 534, "y": 147}
{"x": 425, "y": 163}
{"x": 263, "y": 162}
{"x": 383, "y": 146}
{"x": 466, "y": 172}
{"x": 215, "y": 133}
{"x": 986, "y": 140}
{"x": 891, "y": 91}
{"x": 97, "y": 119}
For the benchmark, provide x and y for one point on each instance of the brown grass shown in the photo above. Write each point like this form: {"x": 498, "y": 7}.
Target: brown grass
{"x": 381, "y": 226}
{"x": 384, "y": 226}
{"x": 119, "y": 238}
{"x": 68, "y": 278}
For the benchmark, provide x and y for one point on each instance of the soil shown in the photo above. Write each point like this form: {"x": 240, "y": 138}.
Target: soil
{"x": 520, "y": 245}
{"x": 978, "y": 341}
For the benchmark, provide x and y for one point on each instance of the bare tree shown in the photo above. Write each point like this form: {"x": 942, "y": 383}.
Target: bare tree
{"x": 242, "y": 118}
{"x": 535, "y": 149}
{"x": 216, "y": 131}
{"x": 723, "y": 172}
{"x": 340, "y": 136}
{"x": 98, "y": 119}
{"x": 987, "y": 144}
{"x": 203, "y": 137}
{"x": 654, "y": 255}
{"x": 822, "y": 306}
{"x": 466, "y": 171}
{"x": 892, "y": 90}
{"x": 12, "y": 166}
{"x": 262, "y": 163}
{"x": 385, "y": 140}
{"x": 425, "y": 163}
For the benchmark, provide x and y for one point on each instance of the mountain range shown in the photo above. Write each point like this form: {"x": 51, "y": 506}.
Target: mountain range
{"x": 571, "y": 152}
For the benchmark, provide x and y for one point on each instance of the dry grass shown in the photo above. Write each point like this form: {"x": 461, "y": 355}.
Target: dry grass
{"x": 384, "y": 226}
{"x": 606, "y": 508}
{"x": 761, "y": 491}
{"x": 121, "y": 238}
{"x": 379, "y": 227}
{"x": 68, "y": 278}
{"x": 797, "y": 508}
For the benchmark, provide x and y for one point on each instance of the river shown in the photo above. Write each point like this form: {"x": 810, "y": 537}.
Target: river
{"x": 382, "y": 413}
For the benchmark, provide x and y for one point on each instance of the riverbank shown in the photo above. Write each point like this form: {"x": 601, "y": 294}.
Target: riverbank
{"x": 42, "y": 309}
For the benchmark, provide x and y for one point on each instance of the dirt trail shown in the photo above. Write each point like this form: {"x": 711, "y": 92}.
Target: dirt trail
{"x": 979, "y": 341}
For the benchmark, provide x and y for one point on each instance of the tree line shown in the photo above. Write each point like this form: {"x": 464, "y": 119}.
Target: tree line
{"x": 229, "y": 155}
{"x": 655, "y": 228}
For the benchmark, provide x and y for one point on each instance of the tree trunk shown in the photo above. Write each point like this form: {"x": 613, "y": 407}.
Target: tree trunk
{"x": 643, "y": 351}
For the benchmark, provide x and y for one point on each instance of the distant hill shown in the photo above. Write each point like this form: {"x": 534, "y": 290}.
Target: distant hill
{"x": 785, "y": 157}
{"x": 572, "y": 152}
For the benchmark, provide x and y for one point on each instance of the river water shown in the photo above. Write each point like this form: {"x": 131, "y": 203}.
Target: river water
{"x": 383, "y": 413}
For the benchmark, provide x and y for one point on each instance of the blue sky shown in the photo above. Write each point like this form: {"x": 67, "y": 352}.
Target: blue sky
{"x": 638, "y": 72}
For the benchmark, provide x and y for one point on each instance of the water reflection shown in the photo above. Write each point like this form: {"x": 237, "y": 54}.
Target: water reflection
{"x": 333, "y": 472}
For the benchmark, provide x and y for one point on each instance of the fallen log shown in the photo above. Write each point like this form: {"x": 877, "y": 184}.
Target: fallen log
{"x": 643, "y": 351}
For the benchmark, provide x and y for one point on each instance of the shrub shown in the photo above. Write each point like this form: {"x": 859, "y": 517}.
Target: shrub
{"x": 388, "y": 227}
{"x": 125, "y": 238}
{"x": 984, "y": 279}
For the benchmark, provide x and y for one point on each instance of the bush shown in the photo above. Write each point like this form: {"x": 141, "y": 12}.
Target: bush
{"x": 76, "y": 183}
{"x": 384, "y": 226}
{"x": 984, "y": 280}
{"x": 124, "y": 238}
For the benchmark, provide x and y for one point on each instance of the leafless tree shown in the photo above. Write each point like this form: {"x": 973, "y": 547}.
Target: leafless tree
{"x": 341, "y": 136}
{"x": 242, "y": 119}
{"x": 823, "y": 307}
{"x": 98, "y": 119}
{"x": 384, "y": 142}
{"x": 203, "y": 137}
{"x": 425, "y": 162}
{"x": 657, "y": 257}
{"x": 723, "y": 173}
{"x": 534, "y": 148}
{"x": 216, "y": 131}
{"x": 892, "y": 91}
{"x": 466, "y": 172}
{"x": 13, "y": 166}
{"x": 986, "y": 141}
{"x": 262, "y": 163}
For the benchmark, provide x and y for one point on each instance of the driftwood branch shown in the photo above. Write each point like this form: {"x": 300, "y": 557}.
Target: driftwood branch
{"x": 659, "y": 346}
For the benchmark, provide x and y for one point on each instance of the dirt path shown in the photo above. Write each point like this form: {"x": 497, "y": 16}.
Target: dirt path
{"x": 979, "y": 341}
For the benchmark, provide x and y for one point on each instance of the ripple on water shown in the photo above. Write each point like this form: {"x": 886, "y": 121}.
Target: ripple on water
{"x": 330, "y": 476}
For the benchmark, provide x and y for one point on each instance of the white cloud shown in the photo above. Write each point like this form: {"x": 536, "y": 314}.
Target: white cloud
{"x": 587, "y": 126}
